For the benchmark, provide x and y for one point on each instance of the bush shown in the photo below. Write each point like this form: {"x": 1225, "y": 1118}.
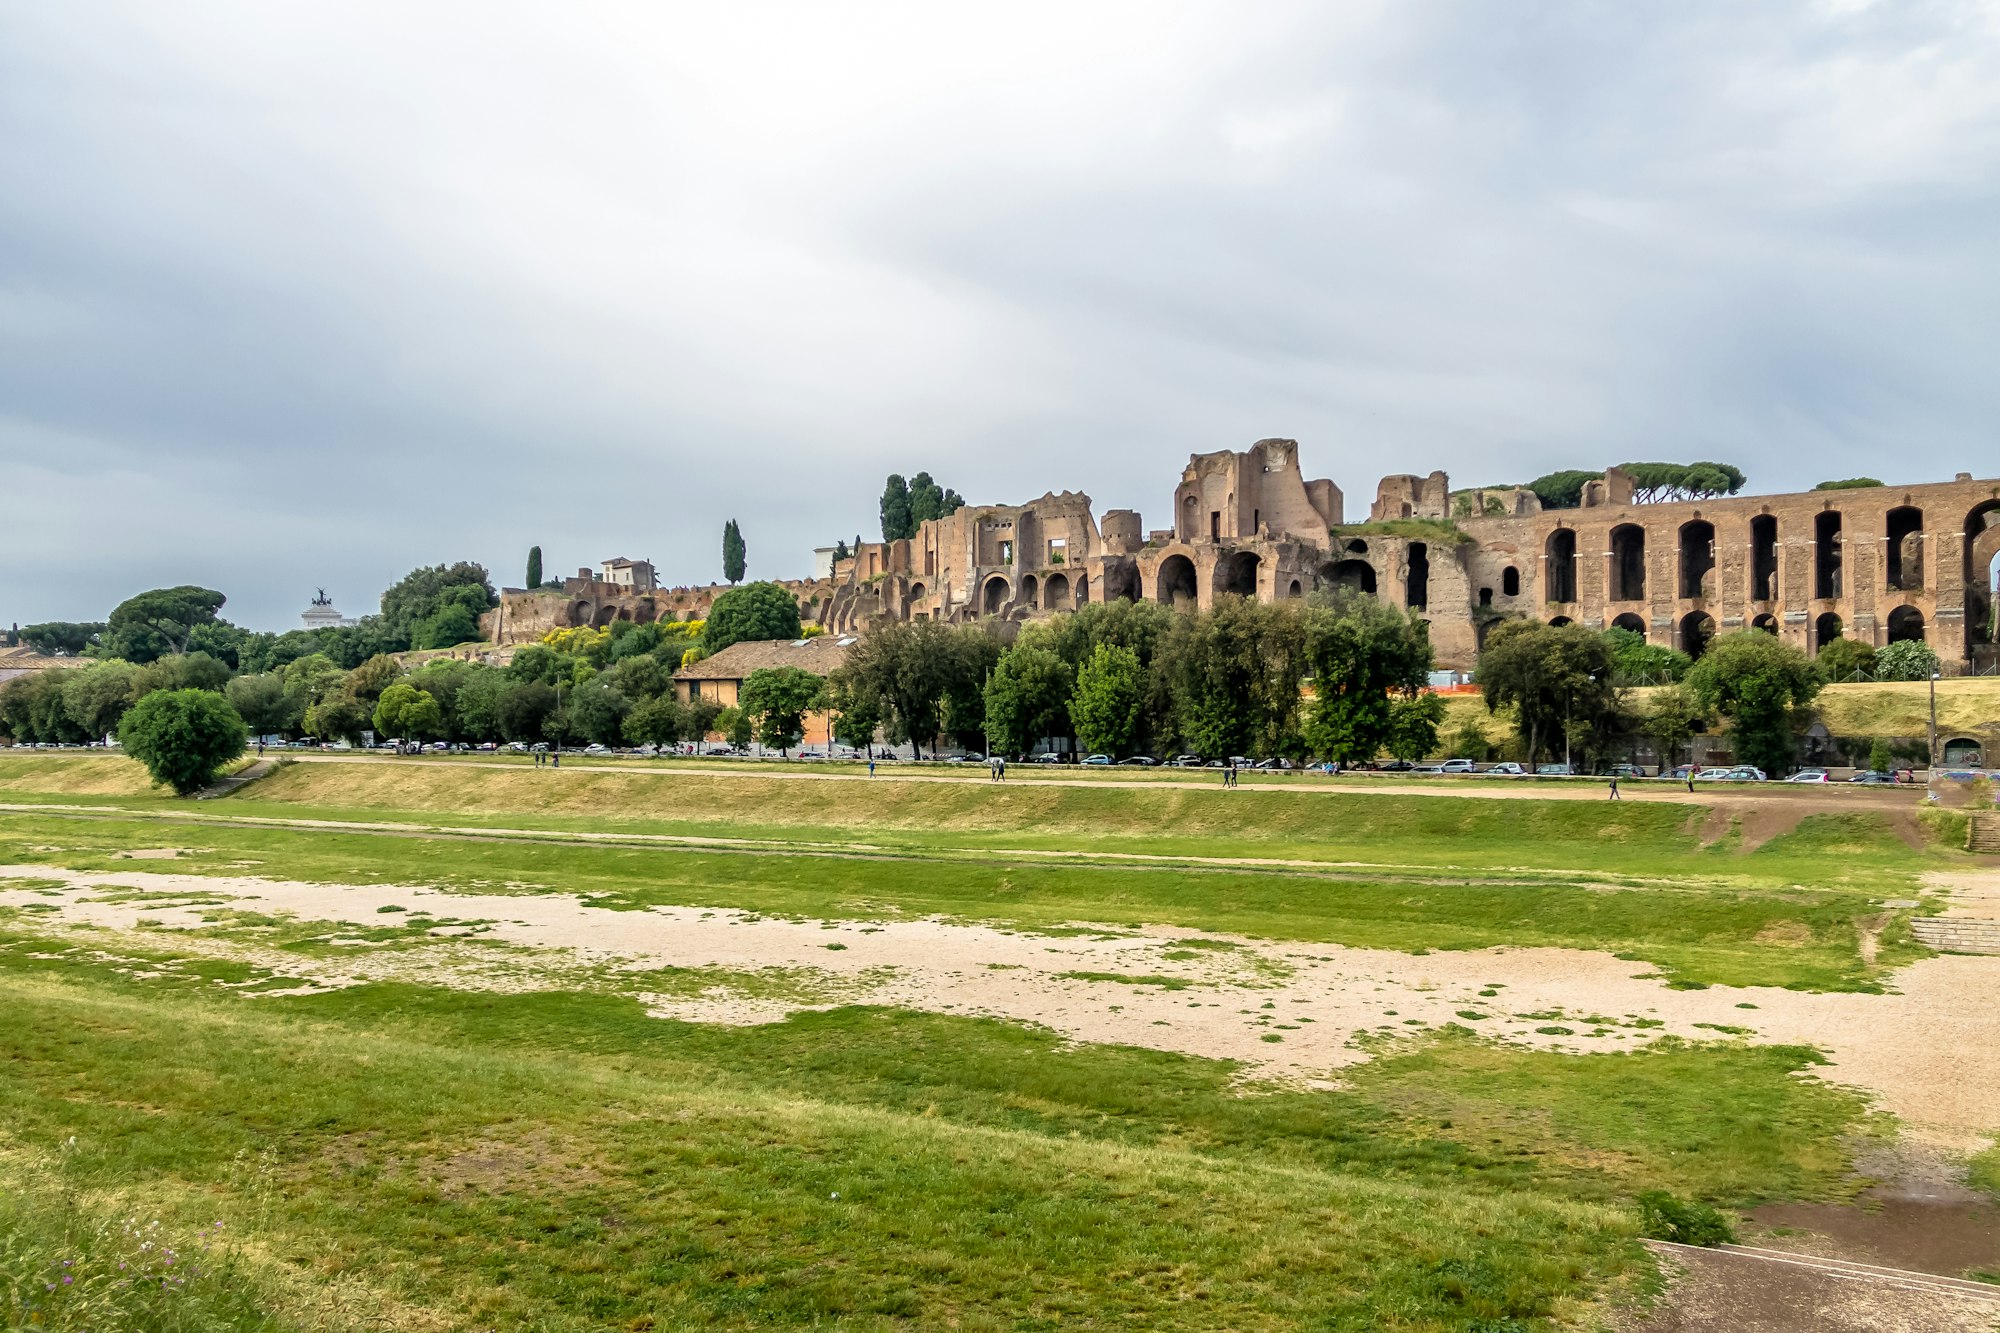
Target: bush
{"x": 1845, "y": 659}
{"x": 1685, "y": 1222}
{"x": 183, "y": 737}
{"x": 755, "y": 611}
{"x": 1911, "y": 659}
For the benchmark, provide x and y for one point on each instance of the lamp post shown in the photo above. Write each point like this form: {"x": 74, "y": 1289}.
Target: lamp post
{"x": 1936, "y": 671}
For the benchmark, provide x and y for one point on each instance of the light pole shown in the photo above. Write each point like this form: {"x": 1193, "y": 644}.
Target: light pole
{"x": 1931, "y": 780}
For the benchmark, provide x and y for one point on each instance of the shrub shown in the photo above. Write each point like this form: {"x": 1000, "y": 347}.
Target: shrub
{"x": 1912, "y": 659}
{"x": 1845, "y": 659}
{"x": 1686, "y": 1222}
{"x": 1879, "y": 758}
{"x": 183, "y": 737}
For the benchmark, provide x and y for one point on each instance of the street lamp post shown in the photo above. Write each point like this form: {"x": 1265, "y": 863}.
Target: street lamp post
{"x": 1935, "y": 673}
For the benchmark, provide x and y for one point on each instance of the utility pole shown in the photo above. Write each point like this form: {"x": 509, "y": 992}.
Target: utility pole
{"x": 1931, "y": 775}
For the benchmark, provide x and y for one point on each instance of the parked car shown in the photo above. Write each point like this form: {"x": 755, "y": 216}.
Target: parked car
{"x": 1048, "y": 759}
{"x": 1276, "y": 765}
{"x": 1098, "y": 760}
{"x": 1875, "y": 778}
{"x": 1140, "y": 761}
{"x": 1458, "y": 766}
{"x": 1395, "y": 766}
{"x": 1187, "y": 761}
{"x": 1811, "y": 775}
{"x": 1431, "y": 769}
{"x": 1553, "y": 771}
{"x": 1509, "y": 770}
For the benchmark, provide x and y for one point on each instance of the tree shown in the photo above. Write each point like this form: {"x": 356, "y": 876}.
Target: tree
{"x": 777, "y": 700}
{"x": 1026, "y": 698}
{"x": 338, "y": 717}
{"x": 896, "y": 522}
{"x": 190, "y": 671}
{"x": 1638, "y": 662}
{"x": 534, "y": 568}
{"x": 157, "y": 623}
{"x": 1413, "y": 725}
{"x": 1653, "y": 483}
{"x": 657, "y": 721}
{"x": 405, "y": 712}
{"x": 1674, "y": 715}
{"x": 478, "y": 704}
{"x": 1365, "y": 656}
{"x": 840, "y": 551}
{"x": 62, "y": 638}
{"x": 1562, "y": 490}
{"x": 1849, "y": 484}
{"x": 1909, "y": 659}
{"x": 1760, "y": 684}
{"x": 856, "y": 712}
{"x": 524, "y": 710}
{"x": 1847, "y": 659}
{"x": 1109, "y": 698}
{"x": 734, "y": 552}
{"x": 32, "y": 708}
{"x": 736, "y": 727}
{"x": 1880, "y": 758}
{"x": 1555, "y": 677}
{"x": 926, "y": 678}
{"x": 753, "y": 612}
{"x": 597, "y": 712}
{"x": 262, "y": 703}
{"x": 1235, "y": 675}
{"x": 1469, "y": 742}
{"x": 422, "y": 593}
{"x": 183, "y": 737}
{"x": 96, "y": 697}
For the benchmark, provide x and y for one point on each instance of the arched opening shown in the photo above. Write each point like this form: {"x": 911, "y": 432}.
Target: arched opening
{"x": 1559, "y": 621}
{"x": 1357, "y": 547}
{"x": 1698, "y": 558}
{"x": 1177, "y": 581}
{"x": 1637, "y": 624}
{"x": 1982, "y": 580}
{"x": 1697, "y": 629}
{"x": 1030, "y": 591}
{"x": 1906, "y": 556}
{"x": 1628, "y": 563}
{"x": 579, "y": 613}
{"x": 1827, "y": 543}
{"x": 1236, "y": 574}
{"x": 1510, "y": 582}
{"x": 1354, "y": 575}
{"x": 604, "y": 616}
{"x": 1486, "y": 596}
{"x": 994, "y": 595}
{"x": 1766, "y": 622}
{"x": 1055, "y": 592}
{"x": 1560, "y": 552}
{"x": 1962, "y": 752}
{"x": 1906, "y": 625}
{"x": 916, "y": 593}
{"x": 1825, "y": 630}
{"x": 1121, "y": 583}
{"x": 1417, "y": 592}
{"x": 1082, "y": 590}
{"x": 1764, "y": 558}
{"x": 1296, "y": 590}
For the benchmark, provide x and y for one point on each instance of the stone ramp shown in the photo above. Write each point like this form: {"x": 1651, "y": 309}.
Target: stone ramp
{"x": 224, "y": 786}
{"x": 1984, "y": 834}
{"x": 1745, "y": 1289}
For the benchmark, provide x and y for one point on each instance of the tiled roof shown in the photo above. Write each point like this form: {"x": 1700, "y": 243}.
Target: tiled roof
{"x": 819, "y": 655}
{"x": 16, "y": 661}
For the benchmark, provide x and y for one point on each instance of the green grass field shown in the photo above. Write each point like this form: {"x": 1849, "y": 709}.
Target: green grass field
{"x": 410, "y": 1154}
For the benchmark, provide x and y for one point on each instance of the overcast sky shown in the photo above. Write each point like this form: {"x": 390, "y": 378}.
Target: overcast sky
{"x": 300, "y": 294}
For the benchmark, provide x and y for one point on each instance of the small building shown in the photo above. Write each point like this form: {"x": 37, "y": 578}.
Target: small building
{"x": 25, "y": 661}
{"x": 720, "y": 678}
{"x": 631, "y": 575}
{"x": 322, "y": 613}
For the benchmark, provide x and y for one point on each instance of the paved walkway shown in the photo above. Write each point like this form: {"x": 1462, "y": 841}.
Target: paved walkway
{"x": 240, "y": 778}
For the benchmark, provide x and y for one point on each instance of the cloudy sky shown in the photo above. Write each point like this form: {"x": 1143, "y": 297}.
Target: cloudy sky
{"x": 296, "y": 294}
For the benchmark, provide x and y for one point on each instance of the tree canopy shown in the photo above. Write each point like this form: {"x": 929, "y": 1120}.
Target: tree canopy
{"x": 1563, "y": 489}
{"x": 1759, "y": 683}
{"x": 1027, "y": 698}
{"x": 62, "y": 638}
{"x": 1849, "y": 484}
{"x": 735, "y": 555}
{"x": 1365, "y": 656}
{"x": 777, "y": 700}
{"x": 534, "y": 567}
{"x": 410, "y": 608}
{"x": 183, "y": 737}
{"x": 752, "y": 612}
{"x": 156, "y": 623}
{"x": 1109, "y": 701}
{"x": 1656, "y": 482}
{"x": 906, "y": 504}
{"x": 1558, "y": 678}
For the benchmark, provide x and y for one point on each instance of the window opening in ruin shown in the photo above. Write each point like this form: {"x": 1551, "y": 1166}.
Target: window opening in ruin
{"x": 1697, "y": 629}
{"x": 1906, "y": 624}
{"x": 1237, "y": 574}
{"x": 1357, "y": 547}
{"x": 1766, "y": 622}
{"x": 1561, "y": 552}
{"x": 1418, "y": 593}
{"x": 1297, "y": 591}
{"x": 1256, "y": 521}
{"x": 1637, "y": 624}
{"x": 1764, "y": 558}
{"x": 1177, "y": 582}
{"x": 1697, "y": 558}
{"x": 1560, "y": 621}
{"x": 1486, "y": 596}
{"x": 995, "y": 595}
{"x": 1055, "y": 593}
{"x": 1510, "y": 582}
{"x": 1354, "y": 575}
{"x": 1628, "y": 563}
{"x": 1982, "y": 595}
{"x": 1825, "y": 630}
{"x": 1906, "y": 521}
{"x": 1082, "y": 590}
{"x": 1058, "y": 550}
{"x": 1826, "y": 555}
{"x": 1215, "y": 525}
{"x": 1006, "y": 553}
{"x": 1030, "y": 591}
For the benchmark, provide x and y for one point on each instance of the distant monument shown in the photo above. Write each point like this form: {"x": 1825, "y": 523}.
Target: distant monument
{"x": 322, "y": 615}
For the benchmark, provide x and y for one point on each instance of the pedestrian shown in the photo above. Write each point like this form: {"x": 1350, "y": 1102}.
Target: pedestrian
{"x": 555, "y": 760}
{"x": 1003, "y": 768}
{"x": 1614, "y": 788}
{"x": 1692, "y": 770}
{"x": 871, "y": 765}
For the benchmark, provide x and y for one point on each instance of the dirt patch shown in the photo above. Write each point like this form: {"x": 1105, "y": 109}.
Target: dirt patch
{"x": 153, "y": 854}
{"x": 1785, "y": 934}
{"x": 1715, "y": 825}
{"x": 532, "y": 1162}
{"x": 1761, "y": 823}
{"x": 1715, "y": 1291}
{"x": 1952, "y": 1239}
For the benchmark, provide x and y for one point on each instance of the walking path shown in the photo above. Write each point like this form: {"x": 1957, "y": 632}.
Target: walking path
{"x": 241, "y": 778}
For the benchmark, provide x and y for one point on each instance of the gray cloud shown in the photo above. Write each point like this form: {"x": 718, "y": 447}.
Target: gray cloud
{"x": 294, "y": 296}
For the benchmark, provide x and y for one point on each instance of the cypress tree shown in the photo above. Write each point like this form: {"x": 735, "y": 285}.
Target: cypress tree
{"x": 734, "y": 553}
{"x": 534, "y": 567}
{"x": 897, "y": 522}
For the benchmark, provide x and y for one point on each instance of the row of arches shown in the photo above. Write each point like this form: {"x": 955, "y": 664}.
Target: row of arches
{"x": 1052, "y": 592}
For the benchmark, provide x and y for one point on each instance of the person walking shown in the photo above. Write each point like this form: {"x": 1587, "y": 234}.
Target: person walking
{"x": 1003, "y": 768}
{"x": 1692, "y": 770}
{"x": 1614, "y": 788}
{"x": 871, "y": 765}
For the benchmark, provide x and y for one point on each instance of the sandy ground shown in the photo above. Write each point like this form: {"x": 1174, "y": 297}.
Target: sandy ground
{"x": 1719, "y": 1291}
{"x": 1930, "y": 1053}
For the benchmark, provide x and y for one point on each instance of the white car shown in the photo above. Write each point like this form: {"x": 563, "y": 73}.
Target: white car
{"x": 1458, "y": 766}
{"x": 1810, "y": 775}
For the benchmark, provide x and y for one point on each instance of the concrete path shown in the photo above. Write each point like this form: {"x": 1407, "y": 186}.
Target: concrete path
{"x": 241, "y": 778}
{"x": 1738, "y": 1289}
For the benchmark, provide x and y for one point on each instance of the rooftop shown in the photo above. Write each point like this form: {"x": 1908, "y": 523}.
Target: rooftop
{"x": 819, "y": 655}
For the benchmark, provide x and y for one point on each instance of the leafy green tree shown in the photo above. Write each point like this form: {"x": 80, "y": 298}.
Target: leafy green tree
{"x": 702, "y": 715}
{"x": 1413, "y": 725}
{"x": 1672, "y": 718}
{"x": 1850, "y": 484}
{"x": 183, "y": 737}
{"x": 422, "y": 593}
{"x": 1656, "y": 482}
{"x": 477, "y": 706}
{"x": 1365, "y": 655}
{"x": 1109, "y": 700}
{"x": 1638, "y": 662}
{"x": 97, "y": 696}
{"x": 897, "y": 522}
{"x": 751, "y": 613}
{"x": 405, "y": 712}
{"x": 222, "y": 641}
{"x": 597, "y": 712}
{"x": 1761, "y": 685}
{"x": 927, "y": 679}
{"x": 1562, "y": 490}
{"x": 643, "y": 677}
{"x": 736, "y": 727}
{"x": 452, "y": 624}
{"x": 1880, "y": 758}
{"x": 62, "y": 638}
{"x": 1235, "y": 674}
{"x": 157, "y": 623}
{"x": 262, "y": 703}
{"x": 189, "y": 671}
{"x": 777, "y": 699}
{"x": 534, "y": 568}
{"x": 525, "y": 710}
{"x": 1847, "y": 659}
{"x": 32, "y": 708}
{"x": 856, "y": 711}
{"x": 1910, "y": 659}
{"x": 338, "y": 717}
{"x": 1027, "y": 698}
{"x": 840, "y": 551}
{"x": 735, "y": 554}
{"x": 1469, "y": 741}
{"x": 656, "y": 721}
{"x": 310, "y": 679}
{"x": 1555, "y": 677}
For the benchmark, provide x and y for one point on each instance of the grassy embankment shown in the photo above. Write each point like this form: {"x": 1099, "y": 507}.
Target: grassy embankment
{"x": 1395, "y": 872}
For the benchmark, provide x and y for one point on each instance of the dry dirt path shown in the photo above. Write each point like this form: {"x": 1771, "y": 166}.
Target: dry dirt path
{"x": 1929, "y": 1053}
{"x": 1833, "y": 797}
